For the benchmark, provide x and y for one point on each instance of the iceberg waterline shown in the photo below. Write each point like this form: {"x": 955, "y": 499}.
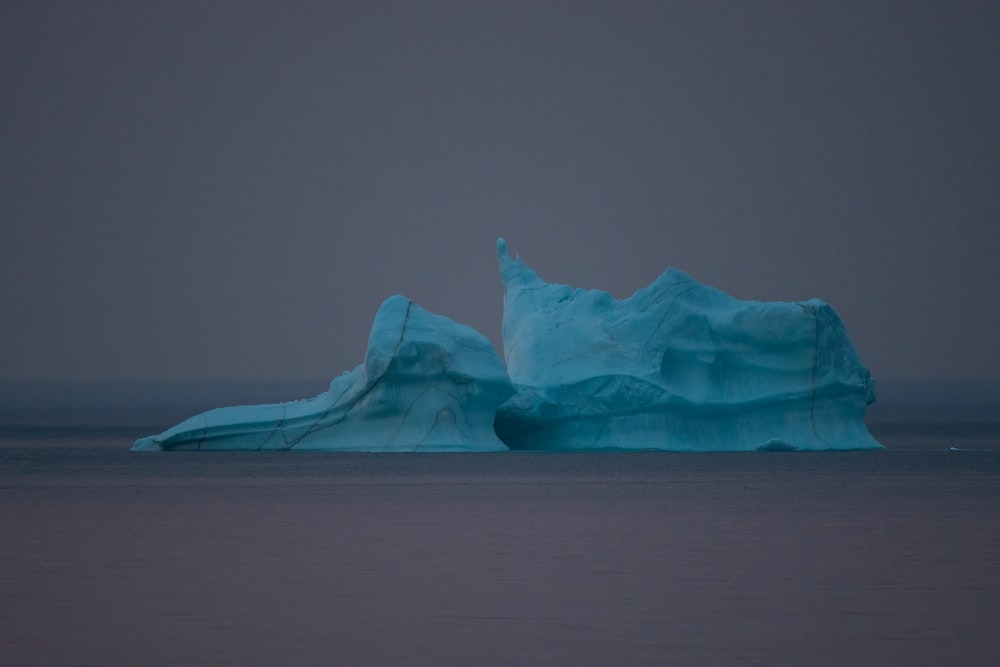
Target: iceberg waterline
{"x": 677, "y": 366}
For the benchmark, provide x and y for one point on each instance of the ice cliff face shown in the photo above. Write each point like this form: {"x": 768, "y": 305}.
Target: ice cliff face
{"x": 679, "y": 366}
{"x": 427, "y": 384}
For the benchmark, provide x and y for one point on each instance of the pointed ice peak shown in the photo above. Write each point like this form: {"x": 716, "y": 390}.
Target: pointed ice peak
{"x": 514, "y": 273}
{"x": 517, "y": 276}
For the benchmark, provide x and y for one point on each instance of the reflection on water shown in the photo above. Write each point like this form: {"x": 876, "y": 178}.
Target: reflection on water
{"x": 874, "y": 558}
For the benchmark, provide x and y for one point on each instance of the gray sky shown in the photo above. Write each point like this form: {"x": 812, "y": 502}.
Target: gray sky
{"x": 229, "y": 190}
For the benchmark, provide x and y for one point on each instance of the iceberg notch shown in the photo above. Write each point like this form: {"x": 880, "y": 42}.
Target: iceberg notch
{"x": 676, "y": 366}
{"x": 427, "y": 384}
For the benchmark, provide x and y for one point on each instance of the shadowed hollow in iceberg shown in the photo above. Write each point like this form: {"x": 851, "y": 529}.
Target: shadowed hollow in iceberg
{"x": 427, "y": 384}
{"x": 678, "y": 365}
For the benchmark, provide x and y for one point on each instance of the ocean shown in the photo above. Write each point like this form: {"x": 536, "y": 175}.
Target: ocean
{"x": 646, "y": 558}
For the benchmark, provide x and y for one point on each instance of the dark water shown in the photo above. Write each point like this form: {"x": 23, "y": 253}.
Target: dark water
{"x": 855, "y": 558}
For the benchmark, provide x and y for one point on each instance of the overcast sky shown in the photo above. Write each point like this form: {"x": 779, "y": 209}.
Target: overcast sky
{"x": 209, "y": 190}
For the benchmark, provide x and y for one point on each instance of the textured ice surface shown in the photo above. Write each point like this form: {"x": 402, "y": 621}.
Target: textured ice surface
{"x": 678, "y": 365}
{"x": 427, "y": 384}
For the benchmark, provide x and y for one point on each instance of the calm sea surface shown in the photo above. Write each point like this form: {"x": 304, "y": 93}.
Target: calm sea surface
{"x": 857, "y": 558}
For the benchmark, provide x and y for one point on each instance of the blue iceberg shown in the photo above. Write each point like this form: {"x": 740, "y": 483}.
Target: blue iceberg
{"x": 676, "y": 366}
{"x": 427, "y": 384}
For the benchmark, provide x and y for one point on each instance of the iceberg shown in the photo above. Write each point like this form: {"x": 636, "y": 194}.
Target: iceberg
{"x": 678, "y": 365}
{"x": 427, "y": 384}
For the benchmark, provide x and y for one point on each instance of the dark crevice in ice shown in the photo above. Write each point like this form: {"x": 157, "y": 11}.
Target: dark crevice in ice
{"x": 655, "y": 330}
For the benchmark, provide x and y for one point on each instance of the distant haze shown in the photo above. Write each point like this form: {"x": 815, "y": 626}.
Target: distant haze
{"x": 228, "y": 190}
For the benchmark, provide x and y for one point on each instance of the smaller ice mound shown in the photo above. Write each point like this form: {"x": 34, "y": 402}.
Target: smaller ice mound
{"x": 427, "y": 384}
{"x": 677, "y": 366}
